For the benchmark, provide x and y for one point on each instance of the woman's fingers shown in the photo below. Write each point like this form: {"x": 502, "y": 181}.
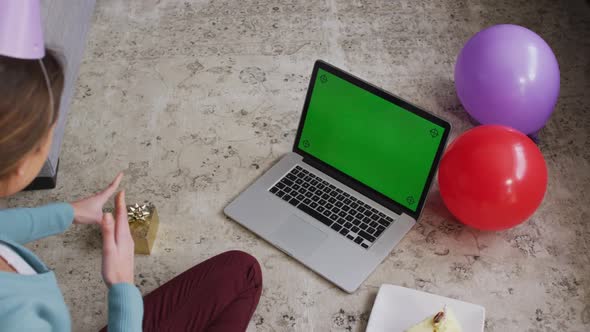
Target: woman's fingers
{"x": 122, "y": 225}
{"x": 112, "y": 188}
{"x": 120, "y": 206}
{"x": 117, "y": 258}
{"x": 108, "y": 232}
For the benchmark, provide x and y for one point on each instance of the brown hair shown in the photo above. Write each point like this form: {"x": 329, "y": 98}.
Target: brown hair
{"x": 25, "y": 111}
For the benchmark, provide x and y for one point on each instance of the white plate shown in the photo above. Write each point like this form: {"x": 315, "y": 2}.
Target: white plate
{"x": 396, "y": 309}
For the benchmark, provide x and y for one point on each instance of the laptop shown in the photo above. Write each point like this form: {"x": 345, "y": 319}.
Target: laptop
{"x": 355, "y": 182}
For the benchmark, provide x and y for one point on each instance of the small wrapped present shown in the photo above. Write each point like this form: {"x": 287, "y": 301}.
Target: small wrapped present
{"x": 143, "y": 223}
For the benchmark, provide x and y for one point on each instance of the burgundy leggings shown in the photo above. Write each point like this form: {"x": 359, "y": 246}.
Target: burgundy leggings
{"x": 219, "y": 294}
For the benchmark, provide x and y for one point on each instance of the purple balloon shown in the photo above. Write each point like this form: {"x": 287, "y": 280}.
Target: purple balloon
{"x": 508, "y": 75}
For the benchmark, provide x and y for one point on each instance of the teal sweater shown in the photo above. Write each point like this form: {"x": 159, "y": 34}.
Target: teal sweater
{"x": 34, "y": 302}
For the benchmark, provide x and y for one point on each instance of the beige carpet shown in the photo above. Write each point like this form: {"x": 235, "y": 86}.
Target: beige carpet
{"x": 194, "y": 100}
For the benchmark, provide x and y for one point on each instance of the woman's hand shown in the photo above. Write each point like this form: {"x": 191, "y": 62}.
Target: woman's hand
{"x": 89, "y": 210}
{"x": 117, "y": 245}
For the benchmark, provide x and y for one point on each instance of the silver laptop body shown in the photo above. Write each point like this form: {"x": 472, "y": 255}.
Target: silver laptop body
{"x": 337, "y": 253}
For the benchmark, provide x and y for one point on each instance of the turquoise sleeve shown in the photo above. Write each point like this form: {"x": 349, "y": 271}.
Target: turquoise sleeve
{"x": 24, "y": 225}
{"x": 125, "y": 308}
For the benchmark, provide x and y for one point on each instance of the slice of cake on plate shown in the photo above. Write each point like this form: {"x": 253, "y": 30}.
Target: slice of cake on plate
{"x": 442, "y": 321}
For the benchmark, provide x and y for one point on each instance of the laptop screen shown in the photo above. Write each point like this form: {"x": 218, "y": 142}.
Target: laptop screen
{"x": 370, "y": 139}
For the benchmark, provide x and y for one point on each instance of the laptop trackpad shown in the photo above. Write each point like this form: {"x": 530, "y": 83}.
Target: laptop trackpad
{"x": 298, "y": 237}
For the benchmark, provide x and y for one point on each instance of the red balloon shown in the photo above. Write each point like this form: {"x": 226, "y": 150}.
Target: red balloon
{"x": 492, "y": 177}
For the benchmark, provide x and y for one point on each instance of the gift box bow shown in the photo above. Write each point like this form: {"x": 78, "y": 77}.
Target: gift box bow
{"x": 139, "y": 213}
{"x": 136, "y": 212}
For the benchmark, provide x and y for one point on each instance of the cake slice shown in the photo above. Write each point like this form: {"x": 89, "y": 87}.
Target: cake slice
{"x": 442, "y": 321}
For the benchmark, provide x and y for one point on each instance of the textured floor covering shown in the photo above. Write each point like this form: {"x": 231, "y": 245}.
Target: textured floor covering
{"x": 194, "y": 100}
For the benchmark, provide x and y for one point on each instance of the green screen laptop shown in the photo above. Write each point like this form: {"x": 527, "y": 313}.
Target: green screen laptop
{"x": 355, "y": 183}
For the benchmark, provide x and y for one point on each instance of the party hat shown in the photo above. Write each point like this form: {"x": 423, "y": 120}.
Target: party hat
{"x": 21, "y": 33}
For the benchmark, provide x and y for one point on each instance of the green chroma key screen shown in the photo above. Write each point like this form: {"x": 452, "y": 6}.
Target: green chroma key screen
{"x": 370, "y": 139}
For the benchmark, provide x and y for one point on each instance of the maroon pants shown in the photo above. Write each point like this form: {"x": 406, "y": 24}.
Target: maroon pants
{"x": 219, "y": 294}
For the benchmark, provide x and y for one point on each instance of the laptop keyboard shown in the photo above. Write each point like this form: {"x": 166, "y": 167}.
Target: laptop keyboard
{"x": 335, "y": 208}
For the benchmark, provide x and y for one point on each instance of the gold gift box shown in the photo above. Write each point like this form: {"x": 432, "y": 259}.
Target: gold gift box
{"x": 143, "y": 223}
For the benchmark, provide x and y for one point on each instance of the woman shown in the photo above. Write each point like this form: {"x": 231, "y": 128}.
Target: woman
{"x": 219, "y": 294}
